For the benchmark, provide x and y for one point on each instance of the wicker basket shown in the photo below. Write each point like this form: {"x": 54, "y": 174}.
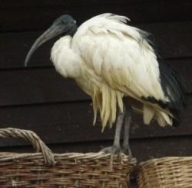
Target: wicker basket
{"x": 45, "y": 169}
{"x": 167, "y": 172}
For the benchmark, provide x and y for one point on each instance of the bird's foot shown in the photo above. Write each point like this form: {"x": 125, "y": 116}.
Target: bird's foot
{"x": 113, "y": 150}
{"x": 127, "y": 151}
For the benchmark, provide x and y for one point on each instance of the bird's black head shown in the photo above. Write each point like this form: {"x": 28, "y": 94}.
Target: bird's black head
{"x": 65, "y": 25}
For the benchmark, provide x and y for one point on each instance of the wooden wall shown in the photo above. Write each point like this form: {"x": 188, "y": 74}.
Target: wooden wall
{"x": 39, "y": 99}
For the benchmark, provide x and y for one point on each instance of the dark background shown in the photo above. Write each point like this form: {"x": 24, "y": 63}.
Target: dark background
{"x": 39, "y": 99}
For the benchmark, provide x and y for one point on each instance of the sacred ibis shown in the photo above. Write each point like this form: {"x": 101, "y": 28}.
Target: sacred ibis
{"x": 117, "y": 66}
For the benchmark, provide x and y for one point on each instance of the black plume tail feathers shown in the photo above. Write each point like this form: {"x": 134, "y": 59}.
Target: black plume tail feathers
{"x": 174, "y": 88}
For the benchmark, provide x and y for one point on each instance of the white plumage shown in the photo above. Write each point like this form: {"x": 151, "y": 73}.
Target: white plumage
{"x": 110, "y": 60}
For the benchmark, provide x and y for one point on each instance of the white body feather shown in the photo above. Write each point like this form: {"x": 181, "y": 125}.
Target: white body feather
{"x": 110, "y": 60}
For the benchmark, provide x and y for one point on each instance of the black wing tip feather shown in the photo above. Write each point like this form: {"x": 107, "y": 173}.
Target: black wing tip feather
{"x": 175, "y": 90}
{"x": 169, "y": 78}
{"x": 173, "y": 85}
{"x": 176, "y": 114}
{"x": 176, "y": 119}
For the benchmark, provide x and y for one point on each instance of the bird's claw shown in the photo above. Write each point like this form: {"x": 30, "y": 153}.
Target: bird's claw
{"x": 127, "y": 151}
{"x": 113, "y": 150}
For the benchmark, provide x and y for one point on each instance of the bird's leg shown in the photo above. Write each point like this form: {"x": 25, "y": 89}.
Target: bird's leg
{"x": 116, "y": 148}
{"x": 127, "y": 122}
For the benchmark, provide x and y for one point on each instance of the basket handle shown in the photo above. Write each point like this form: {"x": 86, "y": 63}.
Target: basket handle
{"x": 32, "y": 137}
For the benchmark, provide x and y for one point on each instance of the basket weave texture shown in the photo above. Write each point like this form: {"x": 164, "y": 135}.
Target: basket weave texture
{"x": 45, "y": 169}
{"x": 167, "y": 172}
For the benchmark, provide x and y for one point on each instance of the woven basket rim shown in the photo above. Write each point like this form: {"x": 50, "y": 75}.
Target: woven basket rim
{"x": 7, "y": 156}
{"x": 43, "y": 168}
{"x": 170, "y": 171}
{"x": 43, "y": 151}
{"x": 166, "y": 159}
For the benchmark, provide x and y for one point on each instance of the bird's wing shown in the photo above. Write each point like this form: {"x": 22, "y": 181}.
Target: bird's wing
{"x": 120, "y": 56}
{"x": 124, "y": 61}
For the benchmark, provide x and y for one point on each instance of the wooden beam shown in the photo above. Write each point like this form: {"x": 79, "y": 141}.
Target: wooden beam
{"x": 32, "y": 86}
{"x": 37, "y": 15}
{"x": 48, "y": 3}
{"x": 37, "y": 86}
{"x": 172, "y": 40}
{"x": 143, "y": 149}
{"x": 72, "y": 122}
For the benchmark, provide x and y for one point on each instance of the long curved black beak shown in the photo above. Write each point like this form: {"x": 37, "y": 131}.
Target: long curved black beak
{"x": 53, "y": 31}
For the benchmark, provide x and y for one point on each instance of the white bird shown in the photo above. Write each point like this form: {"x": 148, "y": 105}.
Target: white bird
{"x": 116, "y": 65}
